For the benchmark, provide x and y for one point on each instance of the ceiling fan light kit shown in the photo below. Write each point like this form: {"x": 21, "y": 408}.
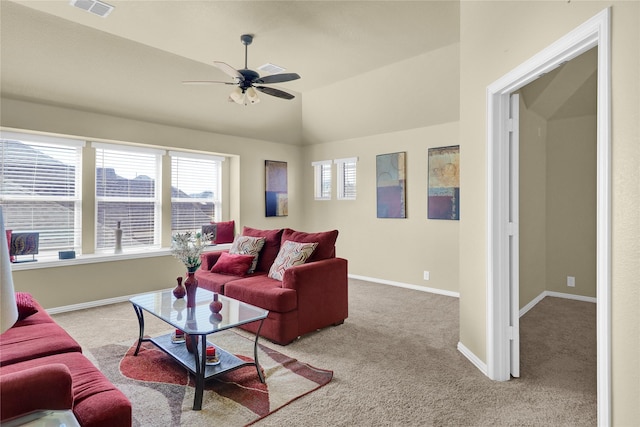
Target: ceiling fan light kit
{"x": 247, "y": 80}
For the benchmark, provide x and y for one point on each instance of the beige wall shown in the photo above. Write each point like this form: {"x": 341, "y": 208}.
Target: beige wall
{"x": 398, "y": 250}
{"x": 495, "y": 38}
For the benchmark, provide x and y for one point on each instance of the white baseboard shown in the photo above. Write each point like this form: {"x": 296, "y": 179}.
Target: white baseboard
{"x": 473, "y": 358}
{"x": 90, "y": 304}
{"x": 544, "y": 294}
{"x": 406, "y": 285}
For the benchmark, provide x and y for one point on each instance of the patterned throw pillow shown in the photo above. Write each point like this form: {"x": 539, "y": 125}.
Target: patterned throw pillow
{"x": 291, "y": 254}
{"x": 246, "y": 245}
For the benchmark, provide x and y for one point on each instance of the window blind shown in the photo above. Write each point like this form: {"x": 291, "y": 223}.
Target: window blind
{"x": 346, "y": 178}
{"x": 40, "y": 189}
{"x": 322, "y": 180}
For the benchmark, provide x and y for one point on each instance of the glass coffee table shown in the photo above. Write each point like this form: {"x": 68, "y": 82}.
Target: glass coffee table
{"x": 197, "y": 322}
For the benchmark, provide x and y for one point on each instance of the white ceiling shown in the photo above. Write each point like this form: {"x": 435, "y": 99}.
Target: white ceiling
{"x": 132, "y": 63}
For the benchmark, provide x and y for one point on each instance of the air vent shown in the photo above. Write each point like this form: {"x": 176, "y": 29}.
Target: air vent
{"x": 271, "y": 68}
{"x": 93, "y": 6}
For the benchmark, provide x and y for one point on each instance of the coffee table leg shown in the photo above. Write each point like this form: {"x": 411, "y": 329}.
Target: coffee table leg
{"x": 201, "y": 343}
{"x": 140, "y": 316}
{"x": 255, "y": 352}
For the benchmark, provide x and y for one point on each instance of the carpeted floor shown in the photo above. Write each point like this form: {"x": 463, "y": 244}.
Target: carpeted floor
{"x": 395, "y": 363}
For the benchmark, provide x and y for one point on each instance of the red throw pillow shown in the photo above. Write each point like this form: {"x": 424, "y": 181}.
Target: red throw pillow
{"x": 232, "y": 264}
{"x": 26, "y": 306}
{"x": 225, "y": 232}
{"x": 326, "y": 242}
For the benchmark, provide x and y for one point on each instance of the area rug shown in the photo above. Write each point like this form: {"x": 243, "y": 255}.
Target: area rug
{"x": 161, "y": 391}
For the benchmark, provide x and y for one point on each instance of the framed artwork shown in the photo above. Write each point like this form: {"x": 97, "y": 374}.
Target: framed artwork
{"x": 276, "y": 196}
{"x": 391, "y": 185}
{"x": 444, "y": 183}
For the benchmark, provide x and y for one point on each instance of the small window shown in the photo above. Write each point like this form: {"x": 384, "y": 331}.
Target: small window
{"x": 195, "y": 190}
{"x": 40, "y": 179}
{"x": 346, "y": 178}
{"x": 127, "y": 195}
{"x": 322, "y": 180}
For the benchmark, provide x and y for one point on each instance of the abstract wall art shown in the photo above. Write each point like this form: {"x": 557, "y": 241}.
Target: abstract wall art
{"x": 276, "y": 196}
{"x": 391, "y": 185}
{"x": 444, "y": 183}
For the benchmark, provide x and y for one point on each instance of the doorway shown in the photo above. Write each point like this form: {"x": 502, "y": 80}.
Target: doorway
{"x": 503, "y": 227}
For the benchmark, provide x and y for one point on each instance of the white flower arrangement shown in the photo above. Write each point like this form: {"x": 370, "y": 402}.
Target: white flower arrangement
{"x": 188, "y": 247}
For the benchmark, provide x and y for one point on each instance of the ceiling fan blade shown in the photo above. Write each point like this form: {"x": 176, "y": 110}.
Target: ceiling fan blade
{"x": 229, "y": 70}
{"x": 275, "y": 92}
{"x": 205, "y": 82}
{"x": 278, "y": 78}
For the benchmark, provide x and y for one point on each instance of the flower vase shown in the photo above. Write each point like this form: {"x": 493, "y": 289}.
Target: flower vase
{"x": 179, "y": 291}
{"x": 191, "y": 341}
{"x": 191, "y": 285}
{"x": 216, "y": 305}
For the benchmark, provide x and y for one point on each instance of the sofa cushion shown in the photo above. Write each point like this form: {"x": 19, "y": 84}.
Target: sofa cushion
{"x": 326, "y": 242}
{"x": 225, "y": 231}
{"x": 33, "y": 341}
{"x": 96, "y": 401}
{"x": 248, "y": 245}
{"x": 291, "y": 254}
{"x": 26, "y": 305}
{"x": 215, "y": 282}
{"x": 262, "y": 292}
{"x": 271, "y": 246}
{"x": 233, "y": 264}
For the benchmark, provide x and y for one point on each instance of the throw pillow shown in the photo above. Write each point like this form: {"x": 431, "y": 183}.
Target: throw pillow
{"x": 225, "y": 232}
{"x": 271, "y": 245}
{"x": 247, "y": 245}
{"x": 232, "y": 264}
{"x": 26, "y": 305}
{"x": 326, "y": 242}
{"x": 291, "y": 254}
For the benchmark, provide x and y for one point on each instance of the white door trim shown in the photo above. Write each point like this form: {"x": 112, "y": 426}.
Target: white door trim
{"x": 594, "y": 32}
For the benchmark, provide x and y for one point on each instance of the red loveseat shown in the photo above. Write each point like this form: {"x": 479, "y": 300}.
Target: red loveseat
{"x": 309, "y": 297}
{"x": 42, "y": 367}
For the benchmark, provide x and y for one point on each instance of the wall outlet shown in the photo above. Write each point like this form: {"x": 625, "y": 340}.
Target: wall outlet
{"x": 426, "y": 275}
{"x": 571, "y": 281}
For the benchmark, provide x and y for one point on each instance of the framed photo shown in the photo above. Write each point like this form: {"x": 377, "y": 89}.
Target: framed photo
{"x": 391, "y": 185}
{"x": 276, "y": 196}
{"x": 443, "y": 185}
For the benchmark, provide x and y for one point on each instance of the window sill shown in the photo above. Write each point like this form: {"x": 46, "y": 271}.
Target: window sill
{"x": 50, "y": 261}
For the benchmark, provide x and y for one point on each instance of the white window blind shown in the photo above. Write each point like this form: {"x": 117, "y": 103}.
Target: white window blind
{"x": 322, "y": 179}
{"x": 346, "y": 171}
{"x": 196, "y": 197}
{"x": 40, "y": 191}
{"x": 128, "y": 192}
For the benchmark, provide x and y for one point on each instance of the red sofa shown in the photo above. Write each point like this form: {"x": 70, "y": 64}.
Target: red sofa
{"x": 310, "y": 296}
{"x": 42, "y": 367}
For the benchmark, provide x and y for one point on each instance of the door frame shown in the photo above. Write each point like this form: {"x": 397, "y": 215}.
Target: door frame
{"x": 594, "y": 32}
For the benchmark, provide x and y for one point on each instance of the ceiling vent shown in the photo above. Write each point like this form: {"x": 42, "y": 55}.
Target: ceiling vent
{"x": 93, "y": 6}
{"x": 271, "y": 68}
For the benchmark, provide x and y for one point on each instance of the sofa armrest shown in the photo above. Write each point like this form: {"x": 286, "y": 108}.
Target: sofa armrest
{"x": 38, "y": 388}
{"x": 209, "y": 259}
{"x": 322, "y": 291}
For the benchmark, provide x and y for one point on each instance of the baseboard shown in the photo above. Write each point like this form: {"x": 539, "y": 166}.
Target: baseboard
{"x": 473, "y": 358}
{"x": 90, "y": 304}
{"x": 544, "y": 294}
{"x": 406, "y": 285}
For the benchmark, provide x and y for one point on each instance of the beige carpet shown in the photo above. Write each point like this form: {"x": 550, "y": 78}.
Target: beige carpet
{"x": 395, "y": 363}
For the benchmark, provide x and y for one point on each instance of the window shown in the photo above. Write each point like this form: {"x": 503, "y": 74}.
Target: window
{"x": 346, "y": 178}
{"x": 322, "y": 180}
{"x": 195, "y": 190}
{"x": 40, "y": 191}
{"x": 127, "y": 193}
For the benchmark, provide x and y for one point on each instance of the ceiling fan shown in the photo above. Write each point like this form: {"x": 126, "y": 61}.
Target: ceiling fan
{"x": 248, "y": 81}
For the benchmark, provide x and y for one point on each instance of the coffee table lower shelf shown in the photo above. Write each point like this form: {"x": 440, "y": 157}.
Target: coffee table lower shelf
{"x": 228, "y": 361}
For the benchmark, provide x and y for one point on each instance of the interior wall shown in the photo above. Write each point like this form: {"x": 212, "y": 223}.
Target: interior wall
{"x": 397, "y": 250}
{"x": 533, "y": 202}
{"x": 495, "y": 38}
{"x": 571, "y": 205}
{"x": 76, "y": 284}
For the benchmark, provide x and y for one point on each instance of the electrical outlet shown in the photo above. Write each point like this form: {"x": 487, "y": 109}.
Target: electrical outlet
{"x": 571, "y": 281}
{"x": 426, "y": 275}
